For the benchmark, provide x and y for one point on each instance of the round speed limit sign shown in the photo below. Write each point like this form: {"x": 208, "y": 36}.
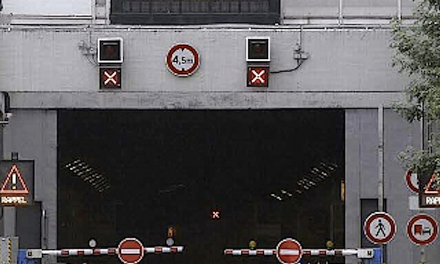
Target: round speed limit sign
{"x": 183, "y": 60}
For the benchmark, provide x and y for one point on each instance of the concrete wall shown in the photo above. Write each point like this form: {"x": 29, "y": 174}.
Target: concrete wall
{"x": 340, "y": 60}
{"x": 307, "y": 8}
{"x": 346, "y": 68}
{"x": 346, "y": 8}
{"x": 33, "y": 134}
{"x": 48, "y": 7}
{"x": 292, "y": 12}
{"x": 361, "y": 156}
{"x": 43, "y": 69}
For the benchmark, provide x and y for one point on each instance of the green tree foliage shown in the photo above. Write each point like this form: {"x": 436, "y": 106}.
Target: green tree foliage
{"x": 417, "y": 54}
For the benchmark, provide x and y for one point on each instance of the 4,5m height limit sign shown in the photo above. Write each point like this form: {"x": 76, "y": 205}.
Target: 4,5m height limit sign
{"x": 183, "y": 60}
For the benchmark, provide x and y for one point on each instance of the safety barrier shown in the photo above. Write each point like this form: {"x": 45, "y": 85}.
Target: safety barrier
{"x": 360, "y": 253}
{"x": 368, "y": 256}
{"x": 38, "y": 253}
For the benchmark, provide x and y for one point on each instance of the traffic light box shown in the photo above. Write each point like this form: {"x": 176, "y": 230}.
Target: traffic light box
{"x": 258, "y": 60}
{"x": 110, "y": 58}
{"x": 110, "y": 51}
{"x": 258, "y": 49}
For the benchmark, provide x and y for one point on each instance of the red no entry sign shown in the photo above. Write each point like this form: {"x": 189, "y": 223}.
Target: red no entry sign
{"x": 130, "y": 251}
{"x": 289, "y": 251}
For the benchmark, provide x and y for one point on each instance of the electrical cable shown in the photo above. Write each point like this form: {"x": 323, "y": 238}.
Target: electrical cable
{"x": 299, "y": 62}
{"x": 92, "y": 60}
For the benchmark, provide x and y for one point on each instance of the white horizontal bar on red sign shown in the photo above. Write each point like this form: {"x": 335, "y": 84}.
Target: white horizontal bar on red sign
{"x": 80, "y": 252}
{"x": 250, "y": 252}
{"x": 160, "y": 250}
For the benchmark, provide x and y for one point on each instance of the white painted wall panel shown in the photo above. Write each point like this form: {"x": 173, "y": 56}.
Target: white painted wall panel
{"x": 310, "y": 8}
{"x": 408, "y": 7}
{"x": 48, "y": 7}
{"x": 370, "y": 7}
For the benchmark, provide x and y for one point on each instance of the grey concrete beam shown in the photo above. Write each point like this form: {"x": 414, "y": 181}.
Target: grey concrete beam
{"x": 201, "y": 100}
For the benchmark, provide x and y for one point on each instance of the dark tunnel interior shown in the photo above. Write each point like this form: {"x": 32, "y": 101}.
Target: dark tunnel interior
{"x": 218, "y": 178}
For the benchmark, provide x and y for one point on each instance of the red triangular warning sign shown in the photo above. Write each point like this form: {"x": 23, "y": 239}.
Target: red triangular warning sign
{"x": 431, "y": 187}
{"x": 14, "y": 183}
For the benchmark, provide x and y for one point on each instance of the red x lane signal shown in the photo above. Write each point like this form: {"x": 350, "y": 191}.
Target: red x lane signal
{"x": 215, "y": 214}
{"x": 257, "y": 76}
{"x": 110, "y": 78}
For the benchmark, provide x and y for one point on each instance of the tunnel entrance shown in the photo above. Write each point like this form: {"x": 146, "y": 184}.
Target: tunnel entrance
{"x": 218, "y": 178}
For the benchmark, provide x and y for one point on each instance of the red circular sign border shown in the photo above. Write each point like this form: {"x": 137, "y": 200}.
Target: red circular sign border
{"x": 131, "y": 239}
{"x": 409, "y": 184}
{"x": 294, "y": 241}
{"x": 413, "y": 220}
{"x": 387, "y": 239}
{"x": 191, "y": 70}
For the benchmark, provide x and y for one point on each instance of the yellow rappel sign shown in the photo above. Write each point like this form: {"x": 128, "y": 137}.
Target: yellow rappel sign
{"x": 14, "y": 188}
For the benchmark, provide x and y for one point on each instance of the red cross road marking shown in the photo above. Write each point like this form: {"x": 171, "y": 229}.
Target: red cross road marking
{"x": 110, "y": 78}
{"x": 258, "y": 76}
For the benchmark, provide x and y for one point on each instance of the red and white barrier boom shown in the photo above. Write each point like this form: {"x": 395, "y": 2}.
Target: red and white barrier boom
{"x": 129, "y": 251}
{"x": 289, "y": 251}
{"x": 97, "y": 251}
{"x": 360, "y": 253}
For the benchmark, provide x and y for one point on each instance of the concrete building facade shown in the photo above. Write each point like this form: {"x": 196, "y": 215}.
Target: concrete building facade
{"x": 48, "y": 63}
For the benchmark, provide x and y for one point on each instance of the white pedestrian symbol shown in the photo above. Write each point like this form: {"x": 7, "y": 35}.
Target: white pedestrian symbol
{"x": 381, "y": 228}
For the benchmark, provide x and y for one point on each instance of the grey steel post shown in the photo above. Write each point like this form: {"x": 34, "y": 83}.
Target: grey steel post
{"x": 381, "y": 158}
{"x": 381, "y": 166}
{"x": 422, "y": 142}
{"x": 9, "y": 213}
{"x": 422, "y": 255}
{"x": 1, "y": 157}
{"x": 341, "y": 14}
